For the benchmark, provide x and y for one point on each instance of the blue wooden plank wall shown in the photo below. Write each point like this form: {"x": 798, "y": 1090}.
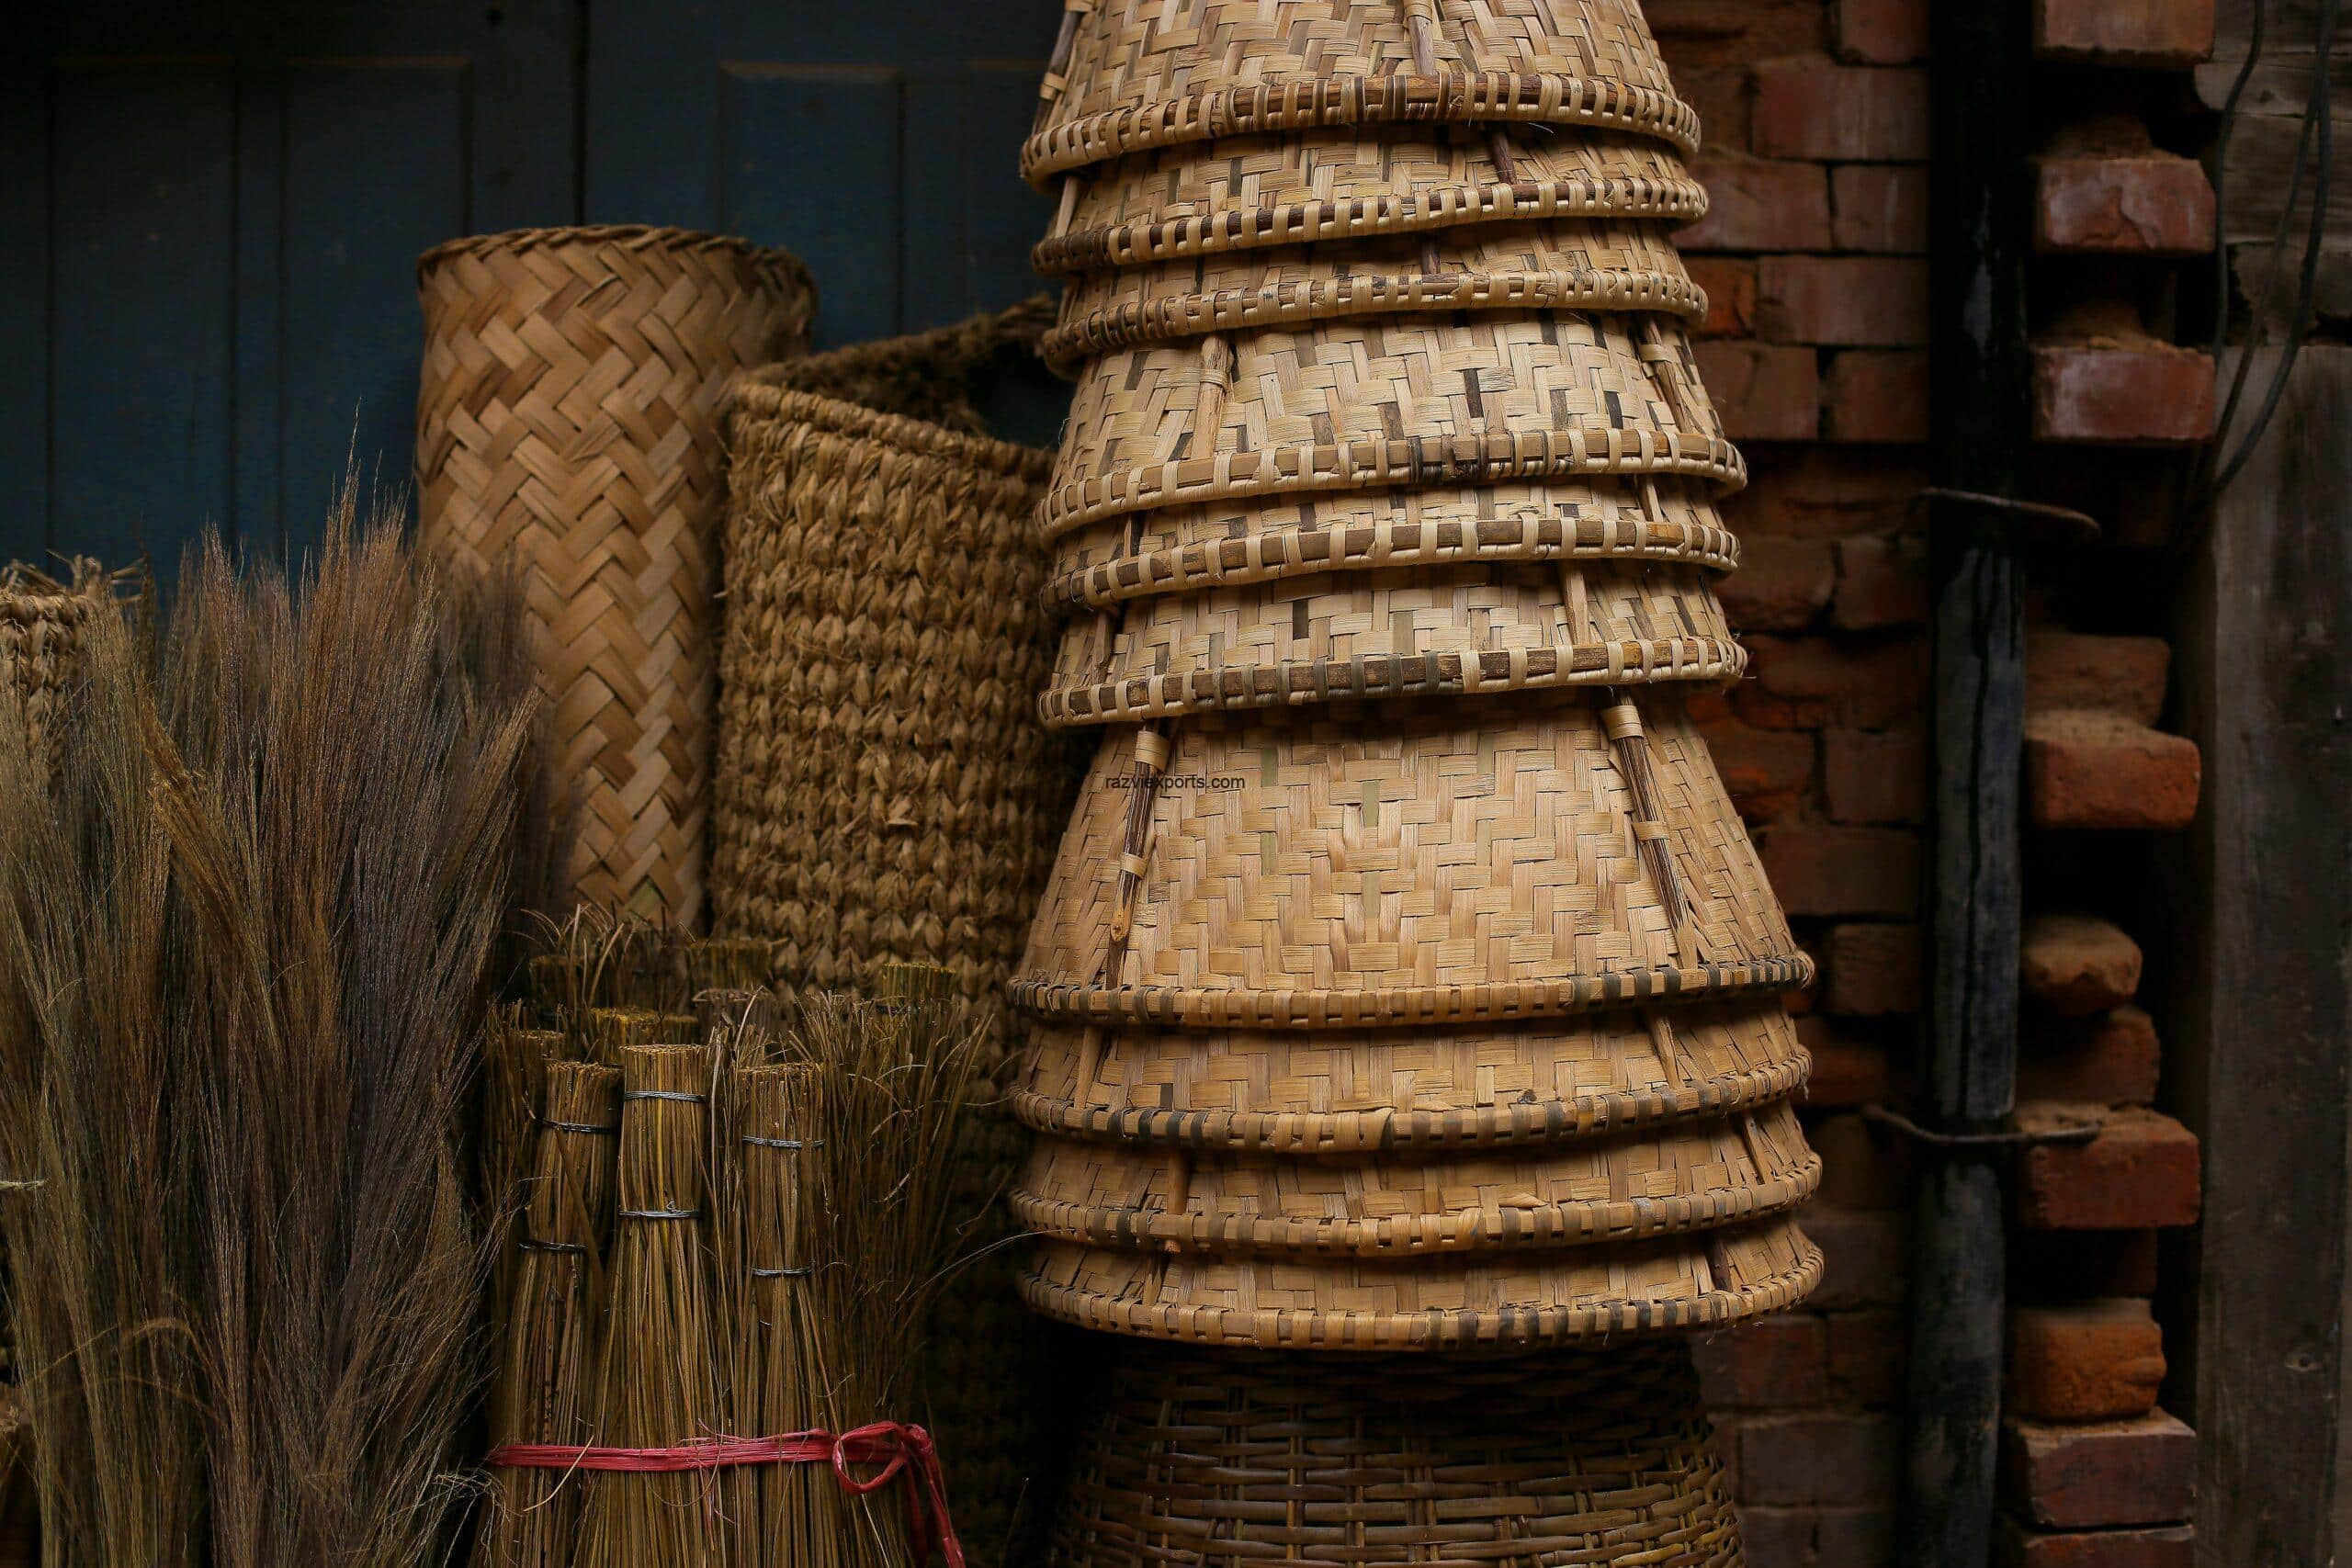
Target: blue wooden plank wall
{"x": 209, "y": 212}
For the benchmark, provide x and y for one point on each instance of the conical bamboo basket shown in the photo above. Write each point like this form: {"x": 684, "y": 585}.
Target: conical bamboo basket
{"x": 1241, "y": 1460}
{"x": 1127, "y": 74}
{"x": 1406, "y": 1091}
{"x": 1182, "y": 549}
{"x": 1686, "y": 1175}
{"x": 1443, "y": 1303}
{"x": 1380, "y": 402}
{"x": 1243, "y": 192}
{"x": 1407, "y": 631}
{"x": 1567, "y": 265}
{"x": 1328, "y": 867}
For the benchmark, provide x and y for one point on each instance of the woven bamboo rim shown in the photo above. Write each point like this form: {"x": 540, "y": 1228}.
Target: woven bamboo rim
{"x": 1233, "y": 1460}
{"x": 44, "y": 624}
{"x": 1571, "y": 265}
{"x": 1383, "y": 402}
{"x": 1309, "y": 869}
{"x": 1246, "y": 193}
{"x": 1183, "y": 549}
{"x": 1135, "y": 73}
{"x": 1682, "y": 1177}
{"x": 1705, "y": 1280}
{"x": 569, "y": 422}
{"x": 1342, "y": 1092}
{"x": 1426, "y": 631}
{"x": 883, "y": 794}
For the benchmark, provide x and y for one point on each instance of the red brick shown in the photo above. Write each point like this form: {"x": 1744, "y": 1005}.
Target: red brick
{"x": 2168, "y": 1546}
{"x": 1869, "y": 1260}
{"x": 1854, "y": 1537}
{"x": 1846, "y": 1071}
{"x": 1816, "y": 108}
{"x": 2100, "y": 770}
{"x": 2151, "y": 205}
{"x": 1730, "y": 283}
{"x": 1875, "y": 775}
{"x": 1820, "y": 870}
{"x": 1867, "y": 1352}
{"x": 2109, "y": 1059}
{"x": 1756, "y": 204}
{"x": 1813, "y": 682}
{"x": 2140, "y": 1173}
{"x": 2074, "y": 965}
{"x": 1766, "y": 771}
{"x": 2121, "y": 674}
{"x": 2141, "y": 1472}
{"x": 1883, "y": 33}
{"x": 2087, "y": 1361}
{"x": 2124, "y": 33}
{"x": 1863, "y": 1166}
{"x": 1777, "y": 1538}
{"x": 1782, "y": 585}
{"x": 1846, "y": 301}
{"x": 1770, "y": 1363}
{"x": 2072, "y": 1264}
{"x": 1833, "y": 1457}
{"x": 1765, "y": 392}
{"x": 1879, "y": 206}
{"x": 1873, "y": 970}
{"x": 1720, "y": 94}
{"x": 1878, "y": 397}
{"x": 2138, "y": 395}
{"x": 1817, "y": 492}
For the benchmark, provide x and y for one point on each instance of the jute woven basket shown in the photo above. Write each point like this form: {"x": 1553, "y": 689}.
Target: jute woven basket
{"x": 1443, "y": 1303}
{"x": 1407, "y": 631}
{"x": 1569, "y": 264}
{"x": 1180, "y": 549}
{"x": 1390, "y": 401}
{"x": 1233, "y": 1460}
{"x": 1134, "y": 73}
{"x": 1680, "y": 1176}
{"x": 570, "y": 420}
{"x": 1402, "y": 1092}
{"x": 1245, "y": 193}
{"x": 1328, "y": 867}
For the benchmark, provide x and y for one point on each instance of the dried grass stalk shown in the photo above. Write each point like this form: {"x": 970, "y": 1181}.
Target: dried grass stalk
{"x": 657, "y": 1373}
{"x": 546, "y": 1384}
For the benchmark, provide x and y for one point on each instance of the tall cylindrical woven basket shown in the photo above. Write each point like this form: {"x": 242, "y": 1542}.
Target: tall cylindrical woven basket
{"x": 885, "y": 795}
{"x": 570, "y": 420}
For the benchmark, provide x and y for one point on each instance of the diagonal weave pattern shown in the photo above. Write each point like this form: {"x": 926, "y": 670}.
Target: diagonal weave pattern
{"x": 1135, "y": 73}
{"x": 1250, "y": 192}
{"x": 1233, "y": 1460}
{"x": 1364, "y": 404}
{"x": 569, "y": 420}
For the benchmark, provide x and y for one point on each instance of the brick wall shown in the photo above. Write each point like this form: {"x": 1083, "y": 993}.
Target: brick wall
{"x": 1813, "y": 258}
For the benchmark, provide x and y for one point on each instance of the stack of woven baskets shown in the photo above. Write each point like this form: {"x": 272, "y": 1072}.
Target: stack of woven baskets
{"x": 1405, "y": 983}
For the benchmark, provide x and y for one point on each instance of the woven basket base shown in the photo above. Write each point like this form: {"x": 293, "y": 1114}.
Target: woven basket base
{"x": 1134, "y": 74}
{"x": 1571, "y": 264}
{"x": 1230, "y": 544}
{"x": 1348, "y": 1091}
{"x": 1387, "y": 400}
{"x": 1329, "y": 866}
{"x": 1247, "y": 193}
{"x": 1403, "y": 632}
{"x": 1233, "y": 1460}
{"x": 1442, "y": 1303}
{"x": 1680, "y": 1177}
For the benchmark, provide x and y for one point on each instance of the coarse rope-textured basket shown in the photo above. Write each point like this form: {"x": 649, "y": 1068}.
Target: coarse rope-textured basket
{"x": 1127, "y": 74}
{"x": 885, "y": 793}
{"x": 1568, "y": 265}
{"x": 1438, "y": 401}
{"x": 1599, "y": 1459}
{"x": 1244, "y": 193}
{"x": 569, "y": 419}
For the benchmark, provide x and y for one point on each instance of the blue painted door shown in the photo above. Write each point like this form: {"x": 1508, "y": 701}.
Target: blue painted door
{"x": 209, "y": 211}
